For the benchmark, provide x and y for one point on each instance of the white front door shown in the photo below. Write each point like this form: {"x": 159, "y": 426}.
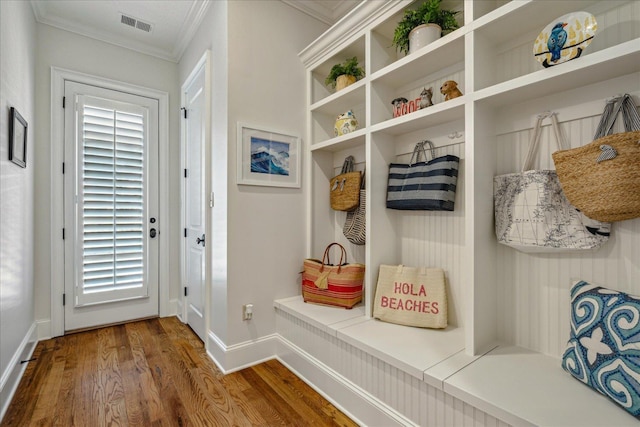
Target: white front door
{"x": 195, "y": 200}
{"x": 111, "y": 206}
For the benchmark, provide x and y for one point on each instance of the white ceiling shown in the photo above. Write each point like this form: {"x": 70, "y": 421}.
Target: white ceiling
{"x": 173, "y": 22}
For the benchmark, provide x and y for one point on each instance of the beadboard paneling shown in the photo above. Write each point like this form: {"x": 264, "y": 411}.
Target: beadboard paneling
{"x": 533, "y": 289}
{"x": 421, "y": 403}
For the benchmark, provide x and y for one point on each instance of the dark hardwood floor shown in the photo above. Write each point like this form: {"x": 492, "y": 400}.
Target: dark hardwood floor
{"x": 156, "y": 373}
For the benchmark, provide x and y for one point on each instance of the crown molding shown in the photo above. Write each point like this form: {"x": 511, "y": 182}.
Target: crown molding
{"x": 349, "y": 27}
{"x": 191, "y": 24}
{"x": 313, "y": 9}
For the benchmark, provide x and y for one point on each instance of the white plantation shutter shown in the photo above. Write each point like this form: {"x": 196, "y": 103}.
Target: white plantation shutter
{"x": 111, "y": 195}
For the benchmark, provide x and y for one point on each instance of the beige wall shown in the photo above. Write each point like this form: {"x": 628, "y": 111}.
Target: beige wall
{"x": 259, "y": 232}
{"x": 17, "y": 65}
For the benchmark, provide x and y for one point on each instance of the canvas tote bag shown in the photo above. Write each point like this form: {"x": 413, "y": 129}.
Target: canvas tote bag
{"x": 602, "y": 178}
{"x": 423, "y": 185}
{"x": 411, "y": 296}
{"x": 355, "y": 226}
{"x": 339, "y": 285}
{"x": 532, "y": 214}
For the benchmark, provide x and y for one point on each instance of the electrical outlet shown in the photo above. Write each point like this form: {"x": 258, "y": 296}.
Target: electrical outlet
{"x": 247, "y": 311}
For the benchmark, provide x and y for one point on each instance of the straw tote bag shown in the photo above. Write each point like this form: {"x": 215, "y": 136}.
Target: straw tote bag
{"x": 532, "y": 214}
{"x": 602, "y": 178}
{"x": 339, "y": 285}
{"x": 428, "y": 185}
{"x": 355, "y": 226}
{"x": 411, "y": 296}
{"x": 345, "y": 188}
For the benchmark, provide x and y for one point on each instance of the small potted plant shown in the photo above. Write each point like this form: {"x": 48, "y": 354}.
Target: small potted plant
{"x": 344, "y": 74}
{"x": 410, "y": 35}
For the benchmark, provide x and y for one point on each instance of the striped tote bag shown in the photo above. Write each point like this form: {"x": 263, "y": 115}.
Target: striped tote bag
{"x": 423, "y": 185}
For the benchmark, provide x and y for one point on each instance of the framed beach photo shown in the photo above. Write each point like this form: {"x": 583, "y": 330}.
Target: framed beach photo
{"x": 17, "y": 139}
{"x": 267, "y": 158}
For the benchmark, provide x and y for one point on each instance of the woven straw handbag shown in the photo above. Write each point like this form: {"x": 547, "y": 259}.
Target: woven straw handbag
{"x": 602, "y": 178}
{"x": 338, "y": 285}
{"x": 345, "y": 188}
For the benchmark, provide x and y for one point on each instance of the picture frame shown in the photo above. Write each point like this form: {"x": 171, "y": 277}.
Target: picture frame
{"x": 267, "y": 157}
{"x": 17, "y": 138}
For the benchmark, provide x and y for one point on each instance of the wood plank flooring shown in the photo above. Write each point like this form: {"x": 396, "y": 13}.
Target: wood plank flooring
{"x": 156, "y": 373}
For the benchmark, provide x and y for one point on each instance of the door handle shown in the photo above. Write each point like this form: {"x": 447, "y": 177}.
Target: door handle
{"x": 153, "y": 232}
{"x": 200, "y": 240}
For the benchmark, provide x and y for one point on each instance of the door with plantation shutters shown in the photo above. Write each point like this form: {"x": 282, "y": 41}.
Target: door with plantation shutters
{"x": 112, "y": 226}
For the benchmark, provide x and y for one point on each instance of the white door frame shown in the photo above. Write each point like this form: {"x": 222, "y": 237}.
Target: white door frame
{"x": 205, "y": 61}
{"x": 58, "y": 78}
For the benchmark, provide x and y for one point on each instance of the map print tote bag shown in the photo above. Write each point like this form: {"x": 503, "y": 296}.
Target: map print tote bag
{"x": 532, "y": 214}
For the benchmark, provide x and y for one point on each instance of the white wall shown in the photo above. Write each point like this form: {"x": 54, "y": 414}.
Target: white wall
{"x": 257, "y": 79}
{"x": 17, "y": 65}
{"x": 78, "y": 53}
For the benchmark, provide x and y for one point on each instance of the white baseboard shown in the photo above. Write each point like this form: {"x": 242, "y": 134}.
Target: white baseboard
{"x": 359, "y": 405}
{"x": 239, "y": 356}
{"x": 13, "y": 374}
{"x": 44, "y": 329}
{"x": 175, "y": 307}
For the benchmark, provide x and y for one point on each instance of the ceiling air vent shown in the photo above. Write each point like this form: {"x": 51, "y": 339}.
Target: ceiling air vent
{"x": 143, "y": 26}
{"x": 135, "y": 23}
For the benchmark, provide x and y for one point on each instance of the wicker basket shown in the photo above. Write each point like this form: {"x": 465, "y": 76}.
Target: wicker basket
{"x": 606, "y": 190}
{"x": 345, "y": 188}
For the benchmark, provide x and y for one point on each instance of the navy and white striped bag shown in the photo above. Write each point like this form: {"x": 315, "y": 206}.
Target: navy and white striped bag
{"x": 427, "y": 185}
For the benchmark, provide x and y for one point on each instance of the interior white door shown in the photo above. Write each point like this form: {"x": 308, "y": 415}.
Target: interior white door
{"x": 194, "y": 139}
{"x": 111, "y": 206}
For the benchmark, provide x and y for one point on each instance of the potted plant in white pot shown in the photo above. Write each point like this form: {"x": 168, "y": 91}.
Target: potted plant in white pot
{"x": 344, "y": 74}
{"x": 423, "y": 25}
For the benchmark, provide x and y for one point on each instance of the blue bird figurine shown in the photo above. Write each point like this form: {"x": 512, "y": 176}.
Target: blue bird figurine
{"x": 556, "y": 40}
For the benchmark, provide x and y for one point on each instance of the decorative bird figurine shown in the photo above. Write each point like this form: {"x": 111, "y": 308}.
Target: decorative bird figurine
{"x": 556, "y": 40}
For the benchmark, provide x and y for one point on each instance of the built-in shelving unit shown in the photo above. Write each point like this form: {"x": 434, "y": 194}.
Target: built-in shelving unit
{"x": 502, "y": 303}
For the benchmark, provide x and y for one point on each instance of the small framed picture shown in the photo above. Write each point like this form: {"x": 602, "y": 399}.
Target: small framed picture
{"x": 267, "y": 158}
{"x": 17, "y": 139}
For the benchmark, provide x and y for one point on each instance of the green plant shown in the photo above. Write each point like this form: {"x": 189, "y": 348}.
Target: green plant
{"x": 428, "y": 13}
{"x": 348, "y": 67}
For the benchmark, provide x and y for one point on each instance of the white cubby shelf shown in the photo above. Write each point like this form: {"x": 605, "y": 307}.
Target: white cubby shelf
{"x": 508, "y": 311}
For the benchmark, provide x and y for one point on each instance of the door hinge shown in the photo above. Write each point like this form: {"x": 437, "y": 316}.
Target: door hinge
{"x": 63, "y": 234}
{"x": 64, "y": 102}
{"x": 184, "y": 110}
{"x": 186, "y": 293}
{"x": 63, "y": 168}
{"x": 64, "y": 299}
{"x": 185, "y": 173}
{"x": 185, "y": 232}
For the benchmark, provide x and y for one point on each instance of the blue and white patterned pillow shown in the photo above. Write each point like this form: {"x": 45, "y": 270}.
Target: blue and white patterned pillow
{"x": 604, "y": 347}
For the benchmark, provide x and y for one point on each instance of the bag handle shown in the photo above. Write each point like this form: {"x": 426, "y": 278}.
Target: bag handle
{"x": 348, "y": 164}
{"x": 419, "y": 149}
{"x": 537, "y": 133}
{"x": 609, "y": 116}
{"x": 343, "y": 255}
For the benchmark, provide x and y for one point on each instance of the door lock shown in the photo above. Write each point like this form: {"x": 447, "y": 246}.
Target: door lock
{"x": 200, "y": 240}
{"x": 153, "y": 232}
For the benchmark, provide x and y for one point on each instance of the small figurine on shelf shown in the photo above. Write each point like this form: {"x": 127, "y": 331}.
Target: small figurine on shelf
{"x": 425, "y": 98}
{"x": 399, "y": 104}
{"x": 345, "y": 123}
{"x": 450, "y": 90}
